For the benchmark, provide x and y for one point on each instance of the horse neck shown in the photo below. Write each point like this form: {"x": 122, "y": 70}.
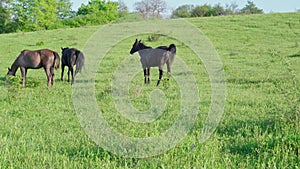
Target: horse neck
{"x": 142, "y": 46}
{"x": 142, "y": 49}
{"x": 15, "y": 66}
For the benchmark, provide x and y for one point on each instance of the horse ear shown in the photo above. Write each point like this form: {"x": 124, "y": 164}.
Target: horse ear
{"x": 140, "y": 41}
{"x": 9, "y": 69}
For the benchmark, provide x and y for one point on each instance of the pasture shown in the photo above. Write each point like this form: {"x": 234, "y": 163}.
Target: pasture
{"x": 260, "y": 127}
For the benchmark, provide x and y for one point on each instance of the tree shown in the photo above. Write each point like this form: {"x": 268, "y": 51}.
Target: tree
{"x": 31, "y": 15}
{"x": 122, "y": 8}
{"x": 158, "y": 7}
{"x": 251, "y": 8}
{"x": 5, "y": 22}
{"x": 143, "y": 8}
{"x": 64, "y": 9}
{"x": 151, "y": 8}
{"x": 218, "y": 10}
{"x": 231, "y": 9}
{"x": 99, "y": 12}
{"x": 201, "y": 11}
{"x": 46, "y": 14}
{"x": 183, "y": 11}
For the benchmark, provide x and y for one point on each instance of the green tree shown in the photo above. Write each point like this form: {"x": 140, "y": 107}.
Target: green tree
{"x": 98, "y": 12}
{"x": 218, "y": 10}
{"x": 202, "y": 11}
{"x": 251, "y": 8}
{"x": 64, "y": 9}
{"x": 183, "y": 11}
{"x": 46, "y": 15}
{"x": 5, "y": 21}
{"x": 31, "y": 15}
{"x": 21, "y": 10}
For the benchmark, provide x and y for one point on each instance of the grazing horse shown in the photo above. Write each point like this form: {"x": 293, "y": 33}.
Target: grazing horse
{"x": 36, "y": 59}
{"x": 154, "y": 57}
{"x": 71, "y": 57}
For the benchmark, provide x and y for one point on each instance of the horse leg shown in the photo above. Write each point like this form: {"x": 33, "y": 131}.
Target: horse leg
{"x": 62, "y": 72}
{"x": 160, "y": 76}
{"x": 169, "y": 70}
{"x": 148, "y": 74}
{"x": 69, "y": 69}
{"x": 145, "y": 75}
{"x": 52, "y": 75}
{"x": 72, "y": 74}
{"x": 48, "y": 73}
{"x": 24, "y": 72}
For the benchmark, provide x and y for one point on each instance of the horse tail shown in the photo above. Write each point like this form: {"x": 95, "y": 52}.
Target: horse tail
{"x": 56, "y": 60}
{"x": 79, "y": 61}
{"x": 172, "y": 48}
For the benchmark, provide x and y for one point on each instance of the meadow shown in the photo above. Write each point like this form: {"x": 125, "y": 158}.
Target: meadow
{"x": 260, "y": 127}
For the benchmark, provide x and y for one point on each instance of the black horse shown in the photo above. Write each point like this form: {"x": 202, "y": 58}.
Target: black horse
{"x": 36, "y": 59}
{"x": 71, "y": 57}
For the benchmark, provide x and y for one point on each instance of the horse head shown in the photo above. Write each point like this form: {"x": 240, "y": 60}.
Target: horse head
{"x": 135, "y": 46}
{"x": 64, "y": 49}
{"x": 10, "y": 72}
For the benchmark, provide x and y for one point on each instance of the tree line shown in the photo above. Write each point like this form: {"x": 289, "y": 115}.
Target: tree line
{"x": 206, "y": 10}
{"x": 154, "y": 9}
{"x": 33, "y": 15}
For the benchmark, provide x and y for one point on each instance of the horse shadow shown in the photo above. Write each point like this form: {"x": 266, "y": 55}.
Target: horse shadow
{"x": 294, "y": 56}
{"x": 2, "y": 79}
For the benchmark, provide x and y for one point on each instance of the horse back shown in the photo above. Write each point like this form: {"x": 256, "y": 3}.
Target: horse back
{"x": 162, "y": 47}
{"x": 154, "y": 57}
{"x": 36, "y": 58}
{"x": 69, "y": 57}
{"x": 29, "y": 59}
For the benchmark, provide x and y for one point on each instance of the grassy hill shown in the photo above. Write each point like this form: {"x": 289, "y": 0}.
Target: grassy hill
{"x": 260, "y": 127}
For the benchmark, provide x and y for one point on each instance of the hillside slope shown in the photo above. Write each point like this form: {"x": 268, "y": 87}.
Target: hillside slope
{"x": 260, "y": 127}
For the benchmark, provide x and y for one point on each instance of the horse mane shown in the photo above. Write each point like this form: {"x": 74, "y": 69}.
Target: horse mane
{"x": 162, "y": 47}
{"x": 16, "y": 64}
{"x": 143, "y": 46}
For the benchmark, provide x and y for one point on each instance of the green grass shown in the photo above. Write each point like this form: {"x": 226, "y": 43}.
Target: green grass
{"x": 260, "y": 127}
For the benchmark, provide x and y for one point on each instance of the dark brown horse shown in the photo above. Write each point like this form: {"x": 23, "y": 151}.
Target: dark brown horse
{"x": 36, "y": 59}
{"x": 71, "y": 57}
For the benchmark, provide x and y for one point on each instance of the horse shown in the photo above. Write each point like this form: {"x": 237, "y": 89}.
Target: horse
{"x": 36, "y": 59}
{"x": 71, "y": 57}
{"x": 156, "y": 57}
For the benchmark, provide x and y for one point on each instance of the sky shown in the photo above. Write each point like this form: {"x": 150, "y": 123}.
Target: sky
{"x": 267, "y": 5}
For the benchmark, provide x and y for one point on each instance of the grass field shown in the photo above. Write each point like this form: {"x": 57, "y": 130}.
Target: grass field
{"x": 260, "y": 127}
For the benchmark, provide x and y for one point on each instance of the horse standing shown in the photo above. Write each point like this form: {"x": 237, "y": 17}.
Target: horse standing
{"x": 150, "y": 57}
{"x": 36, "y": 59}
{"x": 71, "y": 57}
